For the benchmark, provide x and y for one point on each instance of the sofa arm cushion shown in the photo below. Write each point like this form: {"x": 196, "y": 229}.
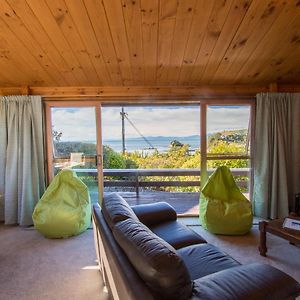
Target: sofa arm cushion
{"x": 155, "y": 213}
{"x": 116, "y": 209}
{"x": 254, "y": 281}
{"x": 155, "y": 261}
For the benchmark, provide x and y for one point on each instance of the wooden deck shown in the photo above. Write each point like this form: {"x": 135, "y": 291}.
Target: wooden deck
{"x": 184, "y": 203}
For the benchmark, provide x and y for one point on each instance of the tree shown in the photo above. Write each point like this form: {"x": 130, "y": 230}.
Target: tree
{"x": 112, "y": 159}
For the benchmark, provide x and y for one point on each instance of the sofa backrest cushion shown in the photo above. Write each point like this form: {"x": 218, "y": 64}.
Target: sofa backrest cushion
{"x": 116, "y": 209}
{"x": 155, "y": 260}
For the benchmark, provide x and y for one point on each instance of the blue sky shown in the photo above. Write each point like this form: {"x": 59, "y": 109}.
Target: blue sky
{"x": 79, "y": 123}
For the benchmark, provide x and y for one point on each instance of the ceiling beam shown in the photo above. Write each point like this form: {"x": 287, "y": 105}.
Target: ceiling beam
{"x": 191, "y": 92}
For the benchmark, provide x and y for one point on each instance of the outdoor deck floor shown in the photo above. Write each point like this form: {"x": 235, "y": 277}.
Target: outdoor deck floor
{"x": 184, "y": 203}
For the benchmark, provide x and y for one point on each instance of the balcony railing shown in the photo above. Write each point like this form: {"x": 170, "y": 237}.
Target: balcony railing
{"x": 139, "y": 178}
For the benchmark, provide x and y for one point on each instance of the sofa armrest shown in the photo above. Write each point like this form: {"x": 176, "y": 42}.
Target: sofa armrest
{"x": 155, "y": 213}
{"x": 253, "y": 281}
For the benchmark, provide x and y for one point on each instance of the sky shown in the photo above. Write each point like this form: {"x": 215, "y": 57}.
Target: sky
{"x": 78, "y": 124}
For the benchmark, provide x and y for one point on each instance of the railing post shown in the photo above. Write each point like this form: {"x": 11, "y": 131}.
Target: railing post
{"x": 137, "y": 184}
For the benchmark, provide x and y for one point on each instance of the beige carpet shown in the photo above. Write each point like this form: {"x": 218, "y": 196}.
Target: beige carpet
{"x": 33, "y": 267}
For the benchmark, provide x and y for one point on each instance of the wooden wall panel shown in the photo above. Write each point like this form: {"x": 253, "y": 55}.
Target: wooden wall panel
{"x": 148, "y": 43}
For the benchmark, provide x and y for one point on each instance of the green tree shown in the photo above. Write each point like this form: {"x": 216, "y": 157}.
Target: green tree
{"x": 112, "y": 159}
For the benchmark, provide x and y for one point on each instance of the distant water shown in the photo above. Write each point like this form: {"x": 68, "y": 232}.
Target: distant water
{"x": 160, "y": 143}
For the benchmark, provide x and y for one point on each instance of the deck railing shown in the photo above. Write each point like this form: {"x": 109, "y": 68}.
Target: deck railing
{"x": 135, "y": 177}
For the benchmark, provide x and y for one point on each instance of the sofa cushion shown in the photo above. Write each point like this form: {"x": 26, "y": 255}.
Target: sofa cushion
{"x": 205, "y": 259}
{"x": 254, "y": 281}
{"x": 116, "y": 209}
{"x": 154, "y": 213}
{"x": 155, "y": 260}
{"x": 177, "y": 234}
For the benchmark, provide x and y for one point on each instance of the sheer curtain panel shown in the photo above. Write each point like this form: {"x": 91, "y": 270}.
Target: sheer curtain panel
{"x": 22, "y": 178}
{"x": 276, "y": 154}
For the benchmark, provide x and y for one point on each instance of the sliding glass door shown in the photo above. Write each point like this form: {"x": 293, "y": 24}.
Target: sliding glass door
{"x": 164, "y": 148}
{"x": 74, "y": 142}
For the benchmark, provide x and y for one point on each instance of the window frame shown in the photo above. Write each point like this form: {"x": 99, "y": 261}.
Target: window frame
{"x": 98, "y": 103}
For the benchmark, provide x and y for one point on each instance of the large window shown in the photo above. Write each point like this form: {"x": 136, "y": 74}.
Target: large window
{"x": 167, "y": 148}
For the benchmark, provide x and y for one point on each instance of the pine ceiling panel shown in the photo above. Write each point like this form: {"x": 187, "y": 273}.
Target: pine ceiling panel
{"x": 281, "y": 36}
{"x": 280, "y": 62}
{"x": 65, "y": 21}
{"x": 29, "y": 67}
{"x": 284, "y": 68}
{"x": 98, "y": 19}
{"x": 167, "y": 22}
{"x": 235, "y": 17}
{"x": 184, "y": 19}
{"x": 148, "y": 43}
{"x": 150, "y": 13}
{"x": 49, "y": 24}
{"x": 51, "y": 55}
{"x": 214, "y": 27}
{"x": 115, "y": 18}
{"x": 17, "y": 27}
{"x": 257, "y": 22}
{"x": 201, "y": 16}
{"x": 84, "y": 27}
{"x": 133, "y": 23}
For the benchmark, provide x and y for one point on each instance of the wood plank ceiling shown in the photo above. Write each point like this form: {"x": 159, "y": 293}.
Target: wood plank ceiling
{"x": 149, "y": 43}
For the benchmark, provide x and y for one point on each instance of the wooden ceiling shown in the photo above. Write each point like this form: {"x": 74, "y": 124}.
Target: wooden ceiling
{"x": 149, "y": 42}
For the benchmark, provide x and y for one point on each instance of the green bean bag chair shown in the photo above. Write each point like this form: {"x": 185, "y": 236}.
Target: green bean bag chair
{"x": 65, "y": 208}
{"x": 223, "y": 208}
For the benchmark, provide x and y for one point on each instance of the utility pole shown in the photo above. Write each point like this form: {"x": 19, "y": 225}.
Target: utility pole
{"x": 122, "y": 113}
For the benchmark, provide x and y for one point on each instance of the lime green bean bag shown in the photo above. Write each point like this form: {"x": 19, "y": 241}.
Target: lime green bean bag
{"x": 223, "y": 208}
{"x": 65, "y": 208}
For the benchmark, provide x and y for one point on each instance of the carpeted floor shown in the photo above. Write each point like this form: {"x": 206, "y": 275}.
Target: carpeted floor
{"x": 33, "y": 267}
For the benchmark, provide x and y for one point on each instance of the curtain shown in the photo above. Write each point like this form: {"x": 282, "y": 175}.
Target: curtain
{"x": 22, "y": 177}
{"x": 276, "y": 154}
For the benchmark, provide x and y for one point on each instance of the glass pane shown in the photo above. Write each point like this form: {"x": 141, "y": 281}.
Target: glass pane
{"x": 228, "y": 141}
{"x": 74, "y": 144}
{"x": 151, "y": 138}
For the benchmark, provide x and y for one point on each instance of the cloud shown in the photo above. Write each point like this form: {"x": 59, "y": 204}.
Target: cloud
{"x": 230, "y": 117}
{"x": 79, "y": 123}
{"x": 76, "y": 124}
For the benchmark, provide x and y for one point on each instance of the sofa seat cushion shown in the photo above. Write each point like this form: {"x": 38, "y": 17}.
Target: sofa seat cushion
{"x": 158, "y": 264}
{"x": 177, "y": 234}
{"x": 116, "y": 209}
{"x": 254, "y": 281}
{"x": 205, "y": 259}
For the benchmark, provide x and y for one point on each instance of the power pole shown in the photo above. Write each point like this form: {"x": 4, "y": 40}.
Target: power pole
{"x": 122, "y": 113}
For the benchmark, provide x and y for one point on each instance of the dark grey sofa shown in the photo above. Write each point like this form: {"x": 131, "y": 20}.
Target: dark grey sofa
{"x": 145, "y": 253}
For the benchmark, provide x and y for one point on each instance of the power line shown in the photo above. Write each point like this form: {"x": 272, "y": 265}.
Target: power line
{"x": 144, "y": 138}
